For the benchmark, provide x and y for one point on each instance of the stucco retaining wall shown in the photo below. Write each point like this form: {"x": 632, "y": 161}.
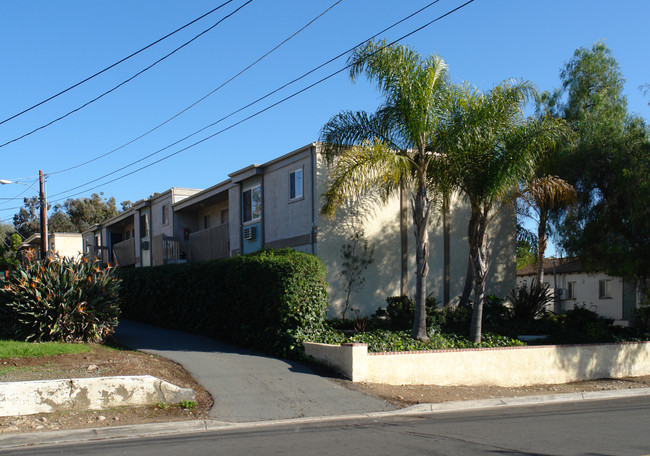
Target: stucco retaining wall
{"x": 508, "y": 366}
{"x": 46, "y": 396}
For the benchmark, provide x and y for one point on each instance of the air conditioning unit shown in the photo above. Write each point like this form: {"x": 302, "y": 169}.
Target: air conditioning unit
{"x": 250, "y": 232}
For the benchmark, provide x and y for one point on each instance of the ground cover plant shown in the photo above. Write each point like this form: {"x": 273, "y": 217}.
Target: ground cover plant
{"x": 386, "y": 330}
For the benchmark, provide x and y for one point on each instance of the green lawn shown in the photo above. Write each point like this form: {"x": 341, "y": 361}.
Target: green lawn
{"x": 14, "y": 349}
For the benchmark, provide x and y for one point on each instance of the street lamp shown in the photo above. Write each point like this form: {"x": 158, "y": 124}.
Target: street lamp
{"x": 43, "y": 200}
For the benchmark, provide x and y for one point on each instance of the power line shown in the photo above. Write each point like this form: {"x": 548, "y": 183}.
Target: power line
{"x": 255, "y": 101}
{"x": 245, "y": 119}
{"x": 202, "y": 98}
{"x": 114, "y": 64}
{"x": 251, "y": 103}
{"x": 127, "y": 80}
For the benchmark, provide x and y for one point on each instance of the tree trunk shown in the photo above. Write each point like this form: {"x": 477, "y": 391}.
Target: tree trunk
{"x": 542, "y": 240}
{"x": 469, "y": 281}
{"x": 421, "y": 206}
{"x": 445, "y": 240}
{"x": 478, "y": 257}
{"x": 403, "y": 231}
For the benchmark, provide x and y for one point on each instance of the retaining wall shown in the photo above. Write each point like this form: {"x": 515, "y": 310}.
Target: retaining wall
{"x": 502, "y": 366}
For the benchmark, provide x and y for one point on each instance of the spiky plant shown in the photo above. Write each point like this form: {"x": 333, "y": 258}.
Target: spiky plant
{"x": 59, "y": 299}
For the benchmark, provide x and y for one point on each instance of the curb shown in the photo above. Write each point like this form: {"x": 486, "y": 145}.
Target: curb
{"x": 185, "y": 427}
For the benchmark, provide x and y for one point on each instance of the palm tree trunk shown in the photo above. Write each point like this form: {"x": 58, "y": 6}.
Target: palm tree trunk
{"x": 446, "y": 259}
{"x": 421, "y": 206}
{"x": 478, "y": 257}
{"x": 469, "y": 280}
{"x": 542, "y": 240}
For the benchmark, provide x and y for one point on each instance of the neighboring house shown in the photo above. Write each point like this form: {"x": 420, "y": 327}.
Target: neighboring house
{"x": 277, "y": 204}
{"x": 608, "y": 296}
{"x": 63, "y": 244}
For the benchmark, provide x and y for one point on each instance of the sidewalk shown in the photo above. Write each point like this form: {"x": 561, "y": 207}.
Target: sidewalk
{"x": 247, "y": 386}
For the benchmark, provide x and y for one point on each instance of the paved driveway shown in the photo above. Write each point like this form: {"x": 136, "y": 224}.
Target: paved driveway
{"x": 248, "y": 386}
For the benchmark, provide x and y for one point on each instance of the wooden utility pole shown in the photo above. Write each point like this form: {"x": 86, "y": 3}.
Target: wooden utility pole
{"x": 43, "y": 201}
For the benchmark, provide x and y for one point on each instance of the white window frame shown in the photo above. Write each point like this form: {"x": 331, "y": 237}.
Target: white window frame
{"x": 298, "y": 189}
{"x": 255, "y": 212}
{"x": 605, "y": 289}
{"x": 165, "y": 214}
{"x": 571, "y": 290}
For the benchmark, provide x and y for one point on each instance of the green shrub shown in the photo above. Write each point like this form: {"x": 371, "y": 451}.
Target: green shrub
{"x": 582, "y": 326}
{"x": 258, "y": 300}
{"x": 400, "y": 311}
{"x": 59, "y": 299}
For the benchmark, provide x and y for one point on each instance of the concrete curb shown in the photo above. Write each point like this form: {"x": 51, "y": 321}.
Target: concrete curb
{"x": 184, "y": 427}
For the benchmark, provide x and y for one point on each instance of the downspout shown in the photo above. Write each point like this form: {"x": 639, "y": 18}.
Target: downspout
{"x": 313, "y": 200}
{"x": 263, "y": 222}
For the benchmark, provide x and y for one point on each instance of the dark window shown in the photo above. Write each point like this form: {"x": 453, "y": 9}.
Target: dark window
{"x": 295, "y": 184}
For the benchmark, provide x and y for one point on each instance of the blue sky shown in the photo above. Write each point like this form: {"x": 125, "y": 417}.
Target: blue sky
{"x": 48, "y": 46}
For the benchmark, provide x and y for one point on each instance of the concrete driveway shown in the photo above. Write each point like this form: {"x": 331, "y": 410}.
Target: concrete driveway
{"x": 248, "y": 386}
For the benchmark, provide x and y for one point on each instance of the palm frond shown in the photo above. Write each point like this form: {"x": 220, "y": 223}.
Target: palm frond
{"x": 359, "y": 169}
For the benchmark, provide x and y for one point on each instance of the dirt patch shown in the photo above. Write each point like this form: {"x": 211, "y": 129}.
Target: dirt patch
{"x": 405, "y": 395}
{"x": 101, "y": 362}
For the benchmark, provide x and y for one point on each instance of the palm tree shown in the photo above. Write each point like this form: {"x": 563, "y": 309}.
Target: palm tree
{"x": 544, "y": 196}
{"x": 391, "y": 147}
{"x": 492, "y": 146}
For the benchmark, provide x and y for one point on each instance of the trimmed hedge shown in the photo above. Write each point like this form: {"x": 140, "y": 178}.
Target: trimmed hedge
{"x": 258, "y": 300}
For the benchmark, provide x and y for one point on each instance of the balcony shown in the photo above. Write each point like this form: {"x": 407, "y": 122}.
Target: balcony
{"x": 209, "y": 244}
{"x": 124, "y": 252}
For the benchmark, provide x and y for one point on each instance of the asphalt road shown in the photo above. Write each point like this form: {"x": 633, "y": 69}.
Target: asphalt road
{"x": 613, "y": 427}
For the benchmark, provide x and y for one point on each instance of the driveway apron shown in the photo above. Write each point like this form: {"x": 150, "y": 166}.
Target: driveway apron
{"x": 248, "y": 386}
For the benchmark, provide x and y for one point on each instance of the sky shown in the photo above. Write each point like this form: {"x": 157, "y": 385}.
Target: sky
{"x": 49, "y": 46}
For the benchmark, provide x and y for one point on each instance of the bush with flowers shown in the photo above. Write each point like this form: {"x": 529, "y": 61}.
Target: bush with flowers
{"x": 59, "y": 299}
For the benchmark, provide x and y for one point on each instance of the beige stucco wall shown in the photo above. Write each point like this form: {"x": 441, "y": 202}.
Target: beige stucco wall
{"x": 380, "y": 222}
{"x": 507, "y": 367}
{"x": 67, "y": 244}
{"x": 286, "y": 218}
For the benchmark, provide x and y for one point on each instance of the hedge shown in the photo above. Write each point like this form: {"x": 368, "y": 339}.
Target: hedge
{"x": 257, "y": 301}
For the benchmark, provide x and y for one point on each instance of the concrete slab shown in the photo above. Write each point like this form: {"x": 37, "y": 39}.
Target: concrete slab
{"x": 47, "y": 396}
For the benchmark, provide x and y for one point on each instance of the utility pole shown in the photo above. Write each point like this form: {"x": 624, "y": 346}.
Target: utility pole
{"x": 43, "y": 200}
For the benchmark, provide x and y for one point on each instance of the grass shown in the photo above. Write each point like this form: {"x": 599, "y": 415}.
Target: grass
{"x": 15, "y": 349}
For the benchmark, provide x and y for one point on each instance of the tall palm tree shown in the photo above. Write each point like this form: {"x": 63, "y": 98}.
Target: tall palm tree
{"x": 543, "y": 196}
{"x": 392, "y": 146}
{"x": 492, "y": 146}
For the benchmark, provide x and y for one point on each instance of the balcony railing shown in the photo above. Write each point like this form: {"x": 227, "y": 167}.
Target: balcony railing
{"x": 209, "y": 244}
{"x": 124, "y": 252}
{"x": 166, "y": 249}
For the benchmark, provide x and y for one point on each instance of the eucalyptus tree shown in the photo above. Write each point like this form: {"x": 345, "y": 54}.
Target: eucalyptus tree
{"x": 392, "y": 147}
{"x": 491, "y": 147}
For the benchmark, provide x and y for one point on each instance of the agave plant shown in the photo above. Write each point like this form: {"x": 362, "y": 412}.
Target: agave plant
{"x": 528, "y": 303}
{"x": 59, "y": 299}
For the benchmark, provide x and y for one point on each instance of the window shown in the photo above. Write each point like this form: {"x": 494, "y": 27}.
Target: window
{"x": 224, "y": 216}
{"x": 570, "y": 290}
{"x": 206, "y": 222}
{"x": 295, "y": 184}
{"x": 144, "y": 225}
{"x": 604, "y": 289}
{"x": 165, "y": 214}
{"x": 252, "y": 204}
